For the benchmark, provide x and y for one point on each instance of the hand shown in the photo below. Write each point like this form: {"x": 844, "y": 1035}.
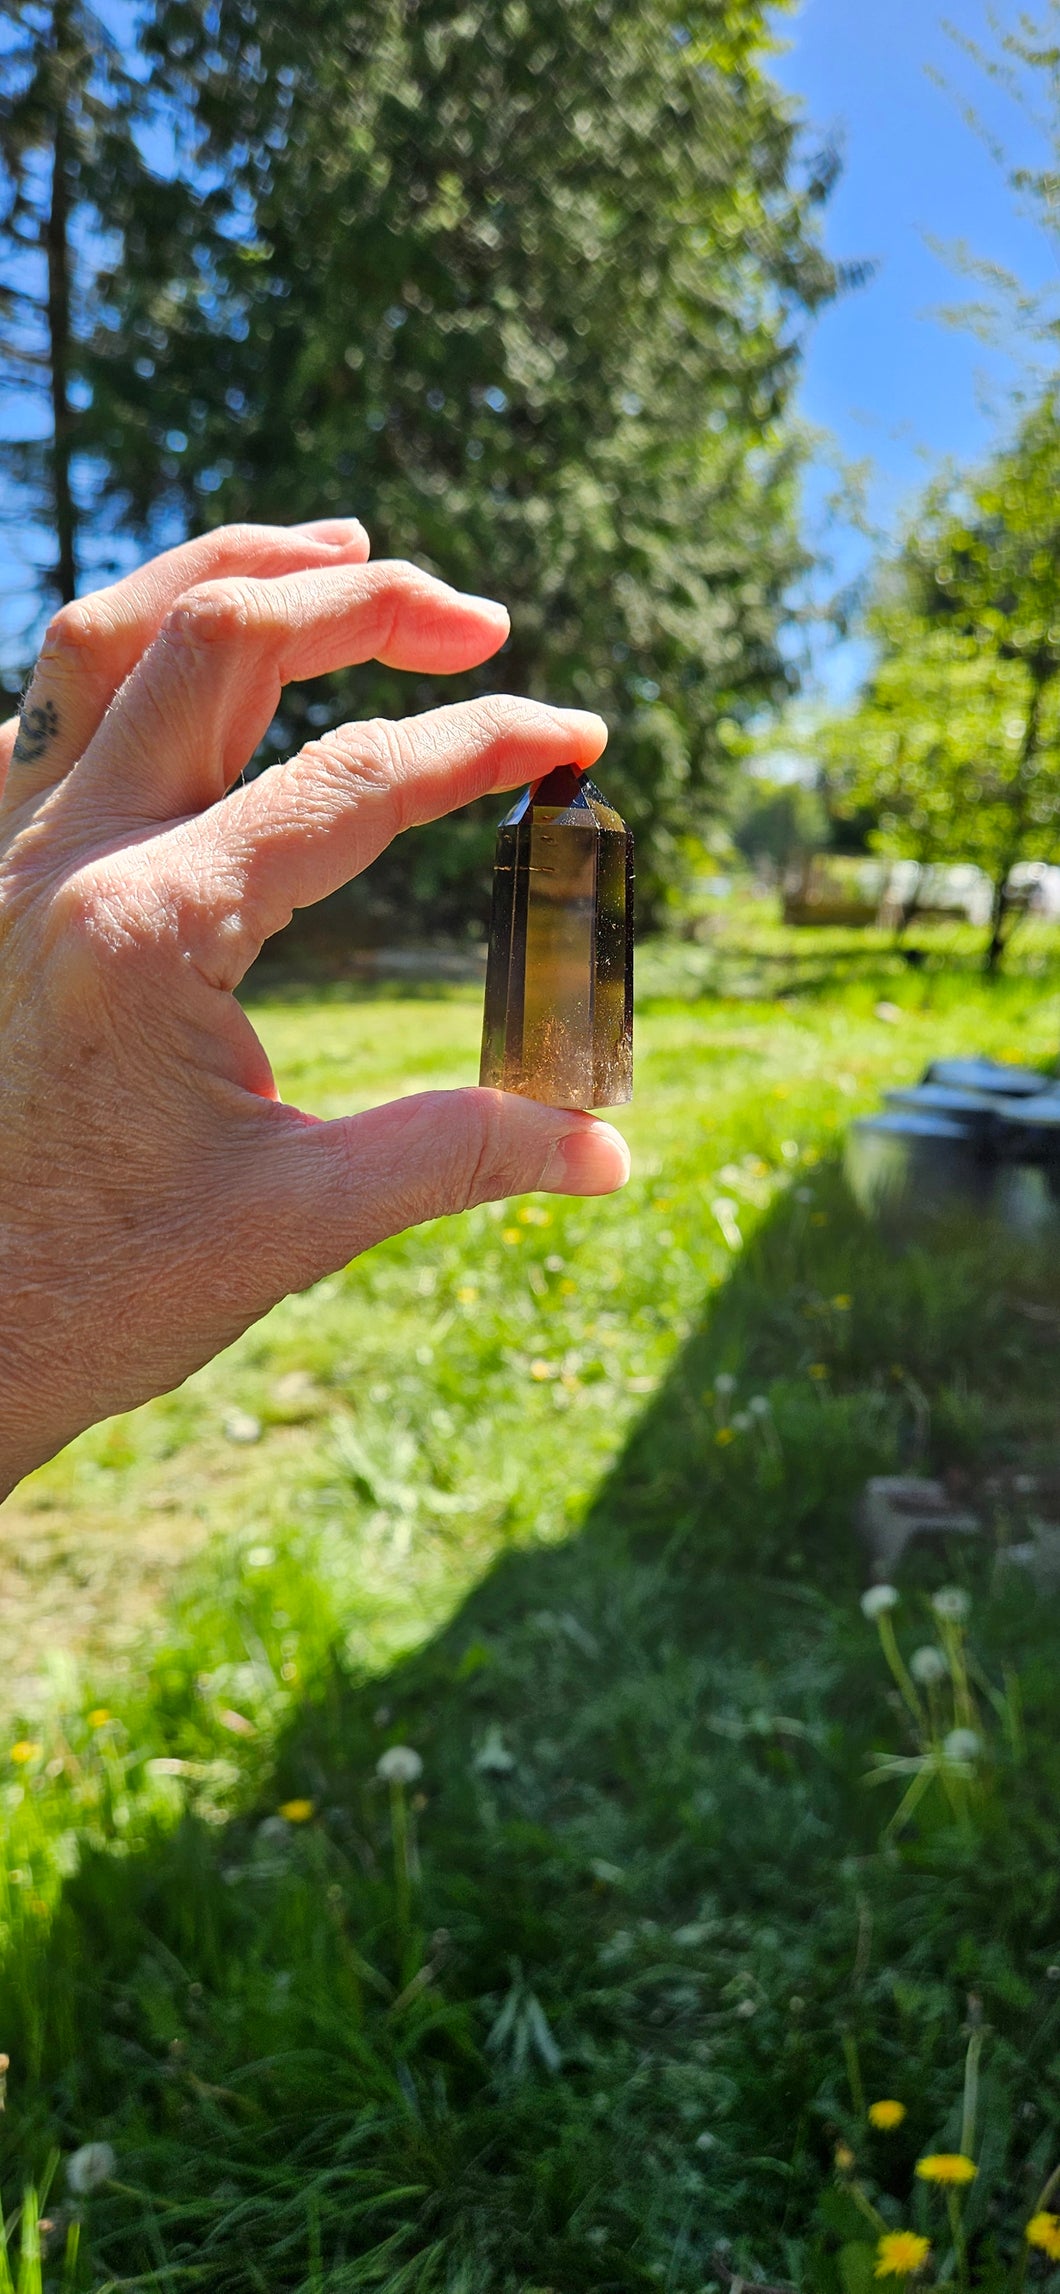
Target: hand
{"x": 155, "y": 1195}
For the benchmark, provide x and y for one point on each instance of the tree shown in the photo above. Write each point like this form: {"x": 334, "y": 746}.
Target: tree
{"x": 71, "y": 165}
{"x": 520, "y": 284}
{"x": 778, "y": 824}
{"x": 957, "y": 737}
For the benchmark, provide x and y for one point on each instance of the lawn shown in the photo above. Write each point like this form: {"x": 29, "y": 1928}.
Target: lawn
{"x": 592, "y": 1990}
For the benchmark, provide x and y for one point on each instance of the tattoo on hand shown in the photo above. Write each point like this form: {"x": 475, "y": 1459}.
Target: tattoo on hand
{"x": 37, "y": 727}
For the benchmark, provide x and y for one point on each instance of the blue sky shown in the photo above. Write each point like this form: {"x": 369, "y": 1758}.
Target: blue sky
{"x": 882, "y": 374}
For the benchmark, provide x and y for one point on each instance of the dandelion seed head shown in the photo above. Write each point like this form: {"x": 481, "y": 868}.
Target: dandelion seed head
{"x": 90, "y": 2166}
{"x": 877, "y": 1599}
{"x": 952, "y": 1604}
{"x": 725, "y": 1383}
{"x": 962, "y": 1744}
{"x": 760, "y": 1406}
{"x": 928, "y": 1665}
{"x": 399, "y": 1764}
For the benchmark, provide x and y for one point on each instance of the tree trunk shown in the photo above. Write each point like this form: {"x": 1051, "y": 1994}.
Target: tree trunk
{"x": 999, "y": 908}
{"x": 57, "y": 248}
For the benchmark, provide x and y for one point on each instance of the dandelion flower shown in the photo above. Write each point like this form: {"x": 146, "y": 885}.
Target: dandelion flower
{"x": 818, "y": 1369}
{"x": 99, "y": 1717}
{"x": 842, "y": 1303}
{"x": 962, "y": 1744}
{"x": 928, "y": 1665}
{"x": 947, "y": 2166}
{"x": 24, "y": 1751}
{"x": 723, "y": 1436}
{"x": 899, "y": 2252}
{"x": 952, "y": 1604}
{"x": 87, "y": 2168}
{"x": 878, "y": 1599}
{"x": 1044, "y": 2230}
{"x": 886, "y": 2115}
{"x": 399, "y": 1764}
{"x": 295, "y": 1811}
{"x": 844, "y": 2158}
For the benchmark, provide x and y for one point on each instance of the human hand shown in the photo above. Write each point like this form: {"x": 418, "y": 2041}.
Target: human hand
{"x": 155, "y": 1195}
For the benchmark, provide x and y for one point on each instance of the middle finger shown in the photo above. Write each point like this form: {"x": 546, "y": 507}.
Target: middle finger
{"x": 205, "y": 692}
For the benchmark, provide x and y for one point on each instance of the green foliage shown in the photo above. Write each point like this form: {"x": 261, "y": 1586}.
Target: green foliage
{"x": 518, "y": 284}
{"x": 778, "y": 823}
{"x": 70, "y": 167}
{"x": 956, "y": 743}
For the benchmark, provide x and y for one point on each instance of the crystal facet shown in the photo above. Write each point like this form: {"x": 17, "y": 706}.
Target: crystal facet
{"x": 559, "y": 976}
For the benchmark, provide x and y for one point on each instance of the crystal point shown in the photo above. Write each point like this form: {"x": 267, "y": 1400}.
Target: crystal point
{"x": 559, "y": 975}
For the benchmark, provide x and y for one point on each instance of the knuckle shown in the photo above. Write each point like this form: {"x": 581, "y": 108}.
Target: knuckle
{"x": 397, "y": 573}
{"x": 214, "y": 613}
{"x": 480, "y": 1167}
{"x": 75, "y": 629}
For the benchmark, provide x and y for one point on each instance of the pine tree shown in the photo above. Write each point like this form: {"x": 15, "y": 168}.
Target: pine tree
{"x": 71, "y": 162}
{"x": 521, "y": 285}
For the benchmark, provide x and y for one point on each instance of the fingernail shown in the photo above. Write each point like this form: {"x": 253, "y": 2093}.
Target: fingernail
{"x": 490, "y": 607}
{"x": 593, "y": 1160}
{"x": 337, "y": 530}
{"x": 586, "y": 723}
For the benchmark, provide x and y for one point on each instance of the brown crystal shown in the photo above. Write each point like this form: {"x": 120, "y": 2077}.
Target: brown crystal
{"x": 559, "y": 975}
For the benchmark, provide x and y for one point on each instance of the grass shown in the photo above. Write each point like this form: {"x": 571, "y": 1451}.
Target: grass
{"x": 589, "y": 2002}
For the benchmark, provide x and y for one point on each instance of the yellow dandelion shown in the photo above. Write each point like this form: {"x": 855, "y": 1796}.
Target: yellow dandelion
{"x": 842, "y": 1303}
{"x": 296, "y": 1811}
{"x": 511, "y": 1235}
{"x": 467, "y": 1293}
{"x": 899, "y": 2252}
{"x": 540, "y": 1369}
{"x": 23, "y": 1751}
{"x": 947, "y": 2166}
{"x": 99, "y": 1717}
{"x": 1044, "y": 2230}
{"x": 844, "y": 2158}
{"x": 723, "y": 1436}
{"x": 818, "y": 1369}
{"x": 568, "y": 1287}
{"x": 886, "y": 2115}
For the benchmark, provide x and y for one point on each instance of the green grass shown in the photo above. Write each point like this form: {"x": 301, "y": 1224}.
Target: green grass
{"x": 606, "y": 1985}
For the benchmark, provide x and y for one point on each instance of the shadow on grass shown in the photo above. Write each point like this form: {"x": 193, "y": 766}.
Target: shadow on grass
{"x": 603, "y": 1982}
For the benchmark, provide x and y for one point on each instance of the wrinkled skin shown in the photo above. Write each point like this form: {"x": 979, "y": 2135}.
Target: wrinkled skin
{"x": 156, "y": 1196}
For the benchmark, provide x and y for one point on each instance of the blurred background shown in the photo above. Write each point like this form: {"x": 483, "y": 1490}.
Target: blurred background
{"x": 538, "y": 1769}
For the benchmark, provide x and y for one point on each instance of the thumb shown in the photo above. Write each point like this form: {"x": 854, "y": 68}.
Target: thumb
{"x": 337, "y": 1188}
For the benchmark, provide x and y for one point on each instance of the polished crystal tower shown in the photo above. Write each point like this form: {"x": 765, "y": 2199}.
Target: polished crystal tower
{"x": 559, "y": 976}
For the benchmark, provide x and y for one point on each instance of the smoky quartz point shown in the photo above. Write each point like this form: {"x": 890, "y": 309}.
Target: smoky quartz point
{"x": 559, "y": 974}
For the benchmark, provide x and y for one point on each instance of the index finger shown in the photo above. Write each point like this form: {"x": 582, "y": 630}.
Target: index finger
{"x": 305, "y": 828}
{"x": 92, "y": 645}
